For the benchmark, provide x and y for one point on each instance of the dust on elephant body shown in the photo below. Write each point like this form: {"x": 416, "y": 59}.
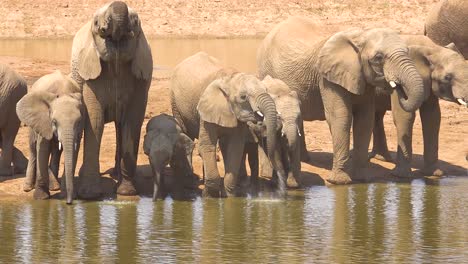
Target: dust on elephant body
{"x": 335, "y": 78}
{"x": 53, "y": 110}
{"x": 445, "y": 76}
{"x": 214, "y": 103}
{"x": 112, "y": 62}
{"x": 12, "y": 88}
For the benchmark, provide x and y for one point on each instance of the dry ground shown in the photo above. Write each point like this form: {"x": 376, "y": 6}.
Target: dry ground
{"x": 238, "y": 18}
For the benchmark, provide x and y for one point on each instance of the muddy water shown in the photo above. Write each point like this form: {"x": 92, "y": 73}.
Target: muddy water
{"x": 237, "y": 53}
{"x": 419, "y": 222}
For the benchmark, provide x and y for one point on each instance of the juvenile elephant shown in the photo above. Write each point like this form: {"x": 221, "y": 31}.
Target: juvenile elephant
{"x": 164, "y": 143}
{"x": 288, "y": 150}
{"x": 53, "y": 110}
{"x": 445, "y": 75}
{"x": 12, "y": 88}
{"x": 213, "y": 103}
{"x": 335, "y": 78}
{"x": 111, "y": 60}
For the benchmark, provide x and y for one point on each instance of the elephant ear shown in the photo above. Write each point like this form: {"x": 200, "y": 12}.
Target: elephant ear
{"x": 185, "y": 143}
{"x": 214, "y": 107}
{"x": 148, "y": 139}
{"x": 86, "y": 55}
{"x": 33, "y": 110}
{"x": 339, "y": 62}
{"x": 142, "y": 64}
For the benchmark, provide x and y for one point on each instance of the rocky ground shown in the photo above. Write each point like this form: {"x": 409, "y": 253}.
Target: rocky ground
{"x": 239, "y": 18}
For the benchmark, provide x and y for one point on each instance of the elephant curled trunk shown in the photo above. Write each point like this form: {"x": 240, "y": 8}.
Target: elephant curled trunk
{"x": 266, "y": 105}
{"x": 407, "y": 81}
{"x": 119, "y": 11}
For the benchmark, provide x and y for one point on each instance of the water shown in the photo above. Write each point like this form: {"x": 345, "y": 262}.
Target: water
{"x": 419, "y": 222}
{"x": 237, "y": 53}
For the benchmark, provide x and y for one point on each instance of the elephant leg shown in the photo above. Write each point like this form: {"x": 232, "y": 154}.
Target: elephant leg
{"x": 337, "y": 106}
{"x": 6, "y": 159}
{"x": 20, "y": 162}
{"x": 379, "y": 146}
{"x": 363, "y": 122}
{"x": 130, "y": 128}
{"x": 234, "y": 149}
{"x": 430, "y": 120}
{"x": 304, "y": 153}
{"x": 118, "y": 142}
{"x": 30, "y": 179}
{"x": 252, "y": 155}
{"x": 207, "y": 140}
{"x": 404, "y": 124}
{"x": 90, "y": 182}
{"x": 54, "y": 185}
{"x": 294, "y": 173}
{"x": 41, "y": 190}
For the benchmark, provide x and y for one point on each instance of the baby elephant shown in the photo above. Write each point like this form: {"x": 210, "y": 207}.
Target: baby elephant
{"x": 165, "y": 144}
{"x": 53, "y": 110}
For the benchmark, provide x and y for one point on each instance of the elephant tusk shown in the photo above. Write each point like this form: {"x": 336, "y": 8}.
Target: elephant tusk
{"x": 462, "y": 102}
{"x": 60, "y": 145}
{"x": 392, "y": 84}
{"x": 259, "y": 114}
{"x": 298, "y": 131}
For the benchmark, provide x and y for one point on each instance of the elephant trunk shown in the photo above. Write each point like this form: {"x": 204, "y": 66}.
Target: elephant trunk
{"x": 406, "y": 80}
{"x": 267, "y": 107}
{"x": 292, "y": 134}
{"x": 69, "y": 160}
{"x": 160, "y": 156}
{"x": 120, "y": 21}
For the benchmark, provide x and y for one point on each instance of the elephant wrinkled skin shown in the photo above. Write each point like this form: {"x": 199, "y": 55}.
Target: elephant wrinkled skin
{"x": 445, "y": 75}
{"x": 111, "y": 61}
{"x": 335, "y": 79}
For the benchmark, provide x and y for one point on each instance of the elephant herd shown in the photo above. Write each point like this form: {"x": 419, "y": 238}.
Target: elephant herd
{"x": 350, "y": 79}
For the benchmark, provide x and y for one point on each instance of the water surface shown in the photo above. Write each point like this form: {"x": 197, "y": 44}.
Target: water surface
{"x": 424, "y": 221}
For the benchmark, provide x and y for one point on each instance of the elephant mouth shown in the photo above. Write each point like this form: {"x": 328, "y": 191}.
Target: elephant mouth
{"x": 399, "y": 89}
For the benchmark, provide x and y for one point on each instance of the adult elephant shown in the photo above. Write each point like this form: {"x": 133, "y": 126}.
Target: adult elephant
{"x": 111, "y": 59}
{"x": 445, "y": 76}
{"x": 213, "y": 103}
{"x": 12, "y": 88}
{"x": 446, "y": 23}
{"x": 335, "y": 79}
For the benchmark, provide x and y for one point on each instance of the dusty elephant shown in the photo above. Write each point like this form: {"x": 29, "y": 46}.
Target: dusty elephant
{"x": 446, "y": 23}
{"x": 288, "y": 150}
{"x": 12, "y": 88}
{"x": 445, "y": 76}
{"x": 53, "y": 110}
{"x": 164, "y": 143}
{"x": 335, "y": 78}
{"x": 111, "y": 60}
{"x": 213, "y": 103}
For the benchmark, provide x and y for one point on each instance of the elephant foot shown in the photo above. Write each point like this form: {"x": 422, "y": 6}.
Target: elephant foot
{"x": 90, "y": 189}
{"x": 28, "y": 185}
{"x": 339, "y": 177}
{"x": 291, "y": 182}
{"x": 432, "y": 171}
{"x": 402, "y": 171}
{"x": 54, "y": 185}
{"x": 213, "y": 193}
{"x": 214, "y": 188}
{"x": 126, "y": 188}
{"x": 41, "y": 193}
{"x": 382, "y": 156}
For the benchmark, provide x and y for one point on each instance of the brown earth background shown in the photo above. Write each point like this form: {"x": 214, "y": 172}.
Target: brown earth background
{"x": 229, "y": 19}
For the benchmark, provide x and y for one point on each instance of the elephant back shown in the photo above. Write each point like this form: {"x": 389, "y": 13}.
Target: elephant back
{"x": 189, "y": 80}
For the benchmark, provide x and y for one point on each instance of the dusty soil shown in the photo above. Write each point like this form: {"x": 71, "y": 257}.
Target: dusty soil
{"x": 222, "y": 18}
{"x": 225, "y": 19}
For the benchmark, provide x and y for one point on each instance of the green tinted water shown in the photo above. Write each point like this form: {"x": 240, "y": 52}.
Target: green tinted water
{"x": 419, "y": 222}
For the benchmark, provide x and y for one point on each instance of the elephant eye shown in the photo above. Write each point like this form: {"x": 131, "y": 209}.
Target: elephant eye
{"x": 378, "y": 58}
{"x": 448, "y": 77}
{"x": 243, "y": 97}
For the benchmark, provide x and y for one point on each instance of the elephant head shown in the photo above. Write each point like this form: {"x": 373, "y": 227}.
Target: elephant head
{"x": 289, "y": 113}
{"x": 448, "y": 72}
{"x": 237, "y": 98}
{"x": 114, "y": 37}
{"x": 379, "y": 57}
{"x": 49, "y": 115}
{"x": 165, "y": 144}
